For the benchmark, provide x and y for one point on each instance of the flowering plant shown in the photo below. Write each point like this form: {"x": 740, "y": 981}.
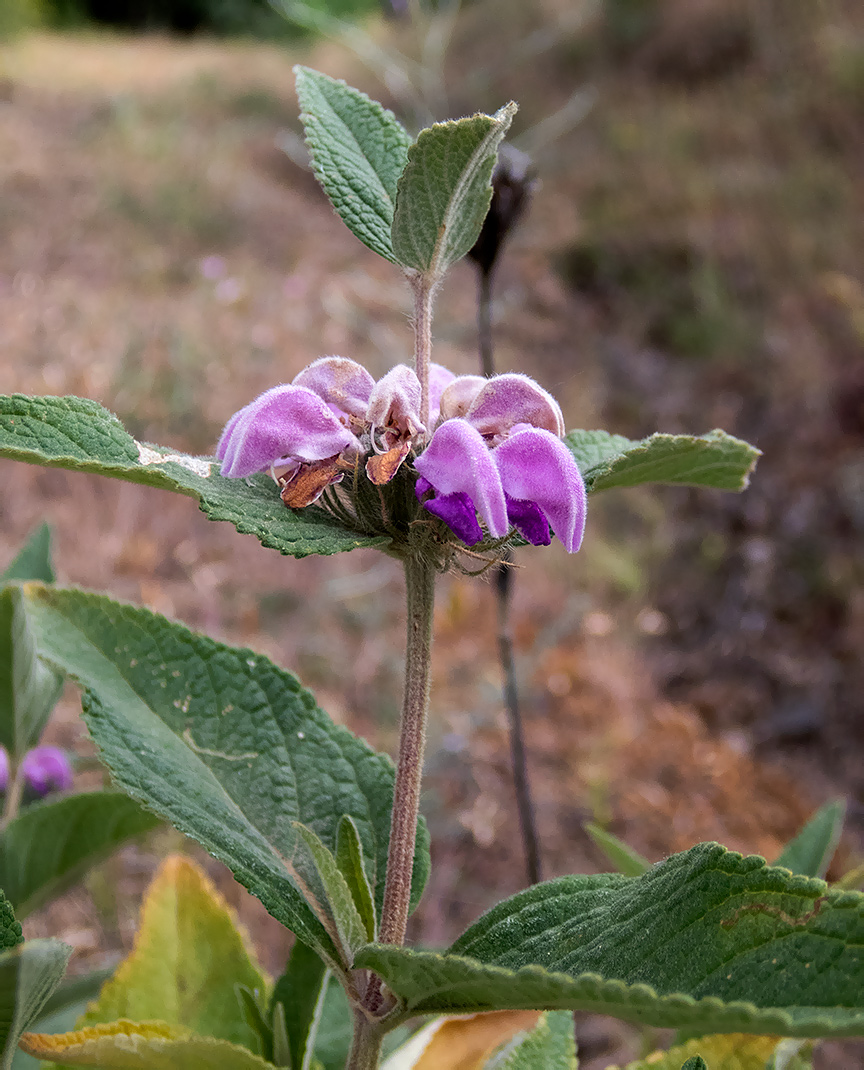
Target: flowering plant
{"x": 434, "y": 470}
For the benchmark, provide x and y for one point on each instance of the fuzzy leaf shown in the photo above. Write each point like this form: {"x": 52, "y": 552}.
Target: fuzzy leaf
{"x": 811, "y": 851}
{"x": 724, "y": 1051}
{"x": 349, "y": 857}
{"x": 707, "y": 939}
{"x": 33, "y": 560}
{"x": 714, "y": 460}
{"x": 359, "y": 150}
{"x": 551, "y": 1045}
{"x": 188, "y": 955}
{"x": 464, "y": 1043}
{"x": 29, "y": 689}
{"x": 128, "y": 1045}
{"x": 29, "y": 973}
{"x": 620, "y": 854}
{"x": 222, "y": 743}
{"x": 445, "y": 191}
{"x": 10, "y": 927}
{"x": 80, "y": 435}
{"x": 299, "y": 991}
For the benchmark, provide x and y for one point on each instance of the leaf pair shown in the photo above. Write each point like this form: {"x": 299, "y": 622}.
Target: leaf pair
{"x": 419, "y": 205}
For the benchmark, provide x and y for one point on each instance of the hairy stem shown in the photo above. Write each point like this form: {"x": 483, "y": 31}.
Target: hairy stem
{"x": 518, "y": 757}
{"x": 14, "y": 791}
{"x": 423, "y": 291}
{"x": 420, "y": 584}
{"x": 365, "y": 1045}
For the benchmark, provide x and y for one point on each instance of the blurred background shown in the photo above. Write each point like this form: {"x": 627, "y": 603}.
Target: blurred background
{"x": 693, "y": 258}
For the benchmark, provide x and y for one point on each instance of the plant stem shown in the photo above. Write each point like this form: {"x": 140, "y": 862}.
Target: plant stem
{"x": 518, "y": 758}
{"x": 420, "y": 584}
{"x": 365, "y": 1045}
{"x": 484, "y": 322}
{"x": 14, "y": 791}
{"x": 423, "y": 291}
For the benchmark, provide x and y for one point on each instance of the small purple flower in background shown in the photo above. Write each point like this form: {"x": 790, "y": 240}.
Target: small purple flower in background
{"x": 46, "y": 769}
{"x": 4, "y": 769}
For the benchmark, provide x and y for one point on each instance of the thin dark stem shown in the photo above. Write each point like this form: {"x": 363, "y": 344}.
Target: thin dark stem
{"x": 420, "y": 583}
{"x": 518, "y": 758}
{"x": 484, "y": 321}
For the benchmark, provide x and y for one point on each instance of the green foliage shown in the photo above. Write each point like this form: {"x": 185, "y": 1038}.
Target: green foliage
{"x": 222, "y": 743}
{"x": 707, "y": 939}
{"x": 49, "y": 846}
{"x": 695, "y": 1063}
{"x": 359, "y": 150}
{"x": 62, "y": 1010}
{"x": 10, "y": 927}
{"x": 550, "y": 1045}
{"x": 29, "y": 974}
{"x": 299, "y": 992}
{"x": 811, "y": 851}
{"x": 723, "y": 1051}
{"x": 445, "y": 191}
{"x": 80, "y": 435}
{"x": 714, "y": 460}
{"x": 33, "y": 560}
{"x": 620, "y": 854}
{"x": 349, "y": 857}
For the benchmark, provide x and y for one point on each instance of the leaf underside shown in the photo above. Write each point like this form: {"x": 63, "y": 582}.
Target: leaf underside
{"x": 29, "y": 973}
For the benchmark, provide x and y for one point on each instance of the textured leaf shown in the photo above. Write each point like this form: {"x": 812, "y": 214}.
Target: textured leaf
{"x": 696, "y": 1063}
{"x": 811, "y": 851}
{"x": 140, "y": 1046}
{"x": 359, "y": 150}
{"x": 299, "y": 991}
{"x": 222, "y": 743}
{"x": 445, "y": 191}
{"x": 62, "y": 1010}
{"x": 29, "y": 973}
{"x": 551, "y": 1045}
{"x": 33, "y": 560}
{"x": 187, "y": 957}
{"x": 49, "y": 846}
{"x": 10, "y": 927}
{"x": 707, "y": 939}
{"x": 714, "y": 460}
{"x": 327, "y": 891}
{"x": 349, "y": 857}
{"x": 725, "y": 1051}
{"x": 461, "y": 1043}
{"x": 29, "y": 689}
{"x": 621, "y": 855}
{"x": 80, "y": 435}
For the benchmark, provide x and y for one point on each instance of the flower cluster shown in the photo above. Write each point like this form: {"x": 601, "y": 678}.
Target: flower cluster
{"x": 494, "y": 453}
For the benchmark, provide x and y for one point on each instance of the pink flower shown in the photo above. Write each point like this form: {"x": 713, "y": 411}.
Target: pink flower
{"x": 498, "y": 453}
{"x": 46, "y": 769}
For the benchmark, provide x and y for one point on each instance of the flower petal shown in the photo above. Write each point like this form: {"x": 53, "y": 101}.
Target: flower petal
{"x": 536, "y": 466}
{"x": 458, "y": 461}
{"x": 286, "y": 421}
{"x": 340, "y": 382}
{"x": 395, "y": 402}
{"x": 514, "y": 399}
{"x": 457, "y": 512}
{"x": 529, "y": 521}
{"x": 457, "y": 398}
{"x": 439, "y": 378}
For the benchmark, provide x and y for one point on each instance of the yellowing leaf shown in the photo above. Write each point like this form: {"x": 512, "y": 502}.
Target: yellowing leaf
{"x": 127, "y": 1045}
{"x": 463, "y": 1043}
{"x": 188, "y": 956}
{"x": 723, "y": 1051}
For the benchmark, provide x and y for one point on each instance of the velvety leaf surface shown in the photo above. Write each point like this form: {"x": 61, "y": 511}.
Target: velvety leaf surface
{"x": 707, "y": 939}
{"x": 349, "y": 858}
{"x": 49, "y": 846}
{"x": 29, "y": 689}
{"x": 33, "y": 560}
{"x": 80, "y": 435}
{"x": 10, "y": 927}
{"x": 551, "y": 1045}
{"x": 219, "y": 741}
{"x": 29, "y": 973}
{"x": 359, "y": 150}
{"x": 188, "y": 956}
{"x": 140, "y": 1046}
{"x": 445, "y": 190}
{"x": 725, "y": 1051}
{"x": 811, "y": 851}
{"x": 714, "y": 460}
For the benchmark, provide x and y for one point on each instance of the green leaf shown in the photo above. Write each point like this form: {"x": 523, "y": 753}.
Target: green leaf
{"x": 333, "y": 1041}
{"x": 33, "y": 560}
{"x": 445, "y": 191}
{"x": 621, "y": 855}
{"x": 551, "y": 1045}
{"x": 811, "y": 851}
{"x": 49, "y": 846}
{"x": 127, "y": 1045}
{"x": 725, "y": 1051}
{"x": 78, "y": 434}
{"x": 222, "y": 743}
{"x": 62, "y": 1010}
{"x": 349, "y": 857}
{"x": 696, "y": 1063}
{"x": 714, "y": 460}
{"x": 359, "y": 150}
{"x": 188, "y": 955}
{"x": 29, "y": 973}
{"x": 10, "y": 928}
{"x": 299, "y": 991}
{"x": 29, "y": 689}
{"x": 706, "y": 939}
{"x": 327, "y": 892}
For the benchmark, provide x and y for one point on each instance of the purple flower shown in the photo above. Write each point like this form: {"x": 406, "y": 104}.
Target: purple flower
{"x": 498, "y": 453}
{"x": 4, "y": 769}
{"x": 46, "y": 769}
